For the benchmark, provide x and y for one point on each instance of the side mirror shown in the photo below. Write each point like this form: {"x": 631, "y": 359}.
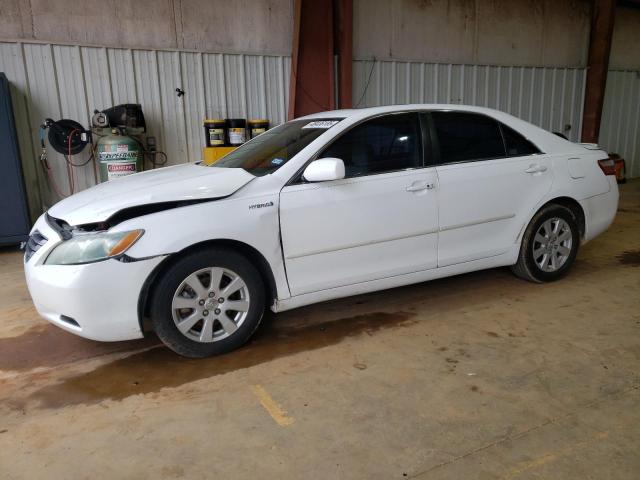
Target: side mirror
{"x": 324, "y": 169}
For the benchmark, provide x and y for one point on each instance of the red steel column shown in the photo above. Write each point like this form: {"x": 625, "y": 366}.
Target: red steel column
{"x": 311, "y": 86}
{"x": 344, "y": 44}
{"x": 598, "y": 64}
{"x": 322, "y": 29}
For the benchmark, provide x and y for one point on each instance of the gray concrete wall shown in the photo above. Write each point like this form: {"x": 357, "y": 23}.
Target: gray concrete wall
{"x": 625, "y": 48}
{"x": 236, "y": 26}
{"x": 518, "y": 32}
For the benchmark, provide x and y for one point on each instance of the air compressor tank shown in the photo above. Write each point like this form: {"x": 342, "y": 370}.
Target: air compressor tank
{"x": 118, "y": 156}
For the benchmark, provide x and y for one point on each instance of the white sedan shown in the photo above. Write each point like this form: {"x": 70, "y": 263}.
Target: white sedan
{"x": 326, "y": 206}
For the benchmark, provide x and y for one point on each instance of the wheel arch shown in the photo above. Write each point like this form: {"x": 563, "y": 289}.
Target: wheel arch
{"x": 573, "y": 205}
{"x": 248, "y": 251}
{"x": 566, "y": 201}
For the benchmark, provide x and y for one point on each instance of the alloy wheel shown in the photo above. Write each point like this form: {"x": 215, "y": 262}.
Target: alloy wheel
{"x": 210, "y": 304}
{"x": 552, "y": 244}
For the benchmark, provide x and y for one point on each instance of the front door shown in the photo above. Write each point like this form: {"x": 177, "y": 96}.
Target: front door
{"x": 379, "y": 221}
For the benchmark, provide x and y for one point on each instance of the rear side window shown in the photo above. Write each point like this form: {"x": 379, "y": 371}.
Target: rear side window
{"x": 464, "y": 137}
{"x": 383, "y": 144}
{"x": 516, "y": 144}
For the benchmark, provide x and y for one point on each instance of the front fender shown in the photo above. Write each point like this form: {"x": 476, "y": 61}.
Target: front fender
{"x": 250, "y": 220}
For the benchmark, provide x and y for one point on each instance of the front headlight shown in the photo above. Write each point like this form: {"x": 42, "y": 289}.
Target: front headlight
{"x": 92, "y": 247}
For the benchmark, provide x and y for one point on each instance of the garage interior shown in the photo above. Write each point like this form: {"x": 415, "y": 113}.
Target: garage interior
{"x": 476, "y": 376}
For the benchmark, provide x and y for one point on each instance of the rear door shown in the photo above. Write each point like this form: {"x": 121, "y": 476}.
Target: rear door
{"x": 379, "y": 221}
{"x": 490, "y": 178}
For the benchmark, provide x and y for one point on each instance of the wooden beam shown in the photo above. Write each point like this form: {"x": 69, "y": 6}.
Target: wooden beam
{"x": 597, "y": 66}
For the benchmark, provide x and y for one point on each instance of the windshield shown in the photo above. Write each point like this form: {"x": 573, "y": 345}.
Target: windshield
{"x": 270, "y": 150}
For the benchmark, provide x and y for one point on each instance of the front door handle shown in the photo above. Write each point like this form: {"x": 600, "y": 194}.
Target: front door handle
{"x": 535, "y": 168}
{"x": 417, "y": 187}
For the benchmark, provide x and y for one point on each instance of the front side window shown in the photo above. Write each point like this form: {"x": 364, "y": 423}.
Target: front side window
{"x": 464, "y": 137}
{"x": 382, "y": 144}
{"x": 273, "y": 148}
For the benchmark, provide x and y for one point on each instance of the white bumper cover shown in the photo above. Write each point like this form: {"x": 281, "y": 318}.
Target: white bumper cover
{"x": 101, "y": 297}
{"x": 600, "y": 210}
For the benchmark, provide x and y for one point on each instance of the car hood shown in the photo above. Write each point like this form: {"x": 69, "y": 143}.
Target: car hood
{"x": 169, "y": 184}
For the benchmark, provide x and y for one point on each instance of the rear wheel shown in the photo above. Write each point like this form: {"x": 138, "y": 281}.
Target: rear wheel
{"x": 207, "y": 303}
{"x": 549, "y": 245}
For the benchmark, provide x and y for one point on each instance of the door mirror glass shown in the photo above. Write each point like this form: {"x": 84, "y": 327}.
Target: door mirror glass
{"x": 324, "y": 170}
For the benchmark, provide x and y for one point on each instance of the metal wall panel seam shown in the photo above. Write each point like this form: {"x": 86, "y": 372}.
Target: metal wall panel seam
{"x": 553, "y": 98}
{"x": 422, "y": 68}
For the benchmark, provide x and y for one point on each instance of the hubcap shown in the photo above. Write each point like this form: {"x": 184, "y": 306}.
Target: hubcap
{"x": 552, "y": 244}
{"x": 210, "y": 304}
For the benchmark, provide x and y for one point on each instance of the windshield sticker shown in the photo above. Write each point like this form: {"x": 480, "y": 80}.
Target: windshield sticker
{"x": 321, "y": 124}
{"x": 277, "y": 161}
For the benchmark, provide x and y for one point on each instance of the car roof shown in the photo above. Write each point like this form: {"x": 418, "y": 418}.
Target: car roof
{"x": 369, "y": 111}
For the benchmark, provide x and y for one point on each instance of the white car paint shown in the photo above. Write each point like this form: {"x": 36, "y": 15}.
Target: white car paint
{"x": 321, "y": 240}
{"x": 176, "y": 183}
{"x": 358, "y": 229}
{"x": 475, "y": 220}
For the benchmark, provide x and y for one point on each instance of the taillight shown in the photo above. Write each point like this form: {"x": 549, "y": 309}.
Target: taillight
{"x": 608, "y": 166}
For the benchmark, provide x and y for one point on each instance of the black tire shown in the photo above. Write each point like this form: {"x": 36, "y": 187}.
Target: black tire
{"x": 526, "y": 267}
{"x": 164, "y": 290}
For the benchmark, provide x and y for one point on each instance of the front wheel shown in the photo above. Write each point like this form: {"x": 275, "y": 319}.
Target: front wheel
{"x": 549, "y": 245}
{"x": 207, "y": 303}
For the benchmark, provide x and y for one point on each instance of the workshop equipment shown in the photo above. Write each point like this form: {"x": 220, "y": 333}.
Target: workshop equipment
{"x": 119, "y": 155}
{"x": 120, "y": 152}
{"x": 68, "y": 138}
{"x": 215, "y": 132}
{"x": 237, "y": 128}
{"x": 256, "y": 127}
{"x": 213, "y": 154}
{"x": 116, "y": 139}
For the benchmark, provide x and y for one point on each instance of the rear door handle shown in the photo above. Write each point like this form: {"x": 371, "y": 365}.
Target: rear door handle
{"x": 535, "y": 168}
{"x": 417, "y": 187}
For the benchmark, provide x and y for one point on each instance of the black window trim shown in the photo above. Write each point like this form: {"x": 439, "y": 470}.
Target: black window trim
{"x": 504, "y": 140}
{"x": 425, "y": 140}
{"x": 436, "y": 146}
{"x": 430, "y": 146}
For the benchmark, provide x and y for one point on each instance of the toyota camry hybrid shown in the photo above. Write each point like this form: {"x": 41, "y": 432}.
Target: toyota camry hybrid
{"x": 326, "y": 206}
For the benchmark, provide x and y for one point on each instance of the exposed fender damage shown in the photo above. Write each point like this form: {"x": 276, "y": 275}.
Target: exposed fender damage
{"x": 64, "y": 229}
{"x": 149, "y": 192}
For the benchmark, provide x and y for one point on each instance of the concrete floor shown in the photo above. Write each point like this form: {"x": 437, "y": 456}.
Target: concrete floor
{"x": 480, "y": 376}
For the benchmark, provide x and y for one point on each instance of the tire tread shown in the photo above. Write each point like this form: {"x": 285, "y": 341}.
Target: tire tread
{"x": 522, "y": 269}
{"x": 161, "y": 317}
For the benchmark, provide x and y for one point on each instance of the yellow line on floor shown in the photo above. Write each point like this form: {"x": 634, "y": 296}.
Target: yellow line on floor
{"x": 271, "y": 406}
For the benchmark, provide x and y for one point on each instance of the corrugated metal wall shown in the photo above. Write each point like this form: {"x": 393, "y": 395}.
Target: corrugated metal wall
{"x": 70, "y": 81}
{"x": 621, "y": 118}
{"x": 551, "y": 98}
